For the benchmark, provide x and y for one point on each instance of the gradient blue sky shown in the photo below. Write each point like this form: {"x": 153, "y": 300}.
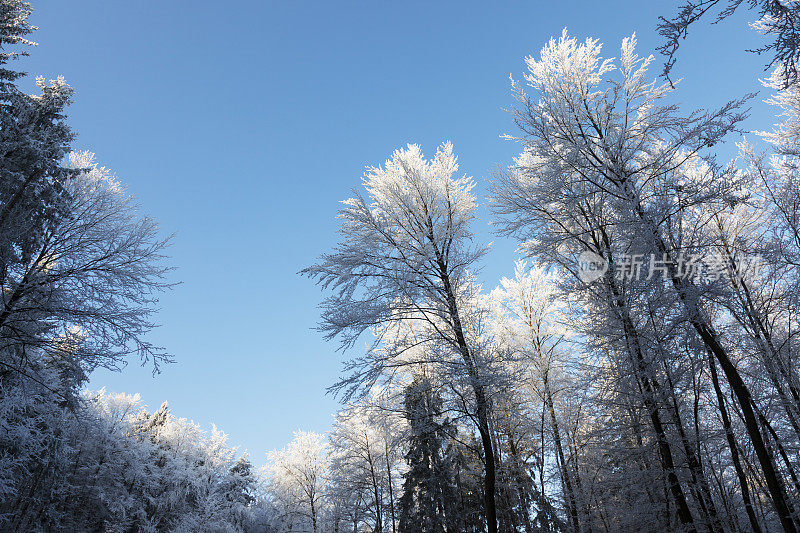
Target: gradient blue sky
{"x": 240, "y": 125}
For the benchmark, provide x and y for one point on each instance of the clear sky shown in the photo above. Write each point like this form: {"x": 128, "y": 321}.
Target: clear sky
{"x": 240, "y": 125}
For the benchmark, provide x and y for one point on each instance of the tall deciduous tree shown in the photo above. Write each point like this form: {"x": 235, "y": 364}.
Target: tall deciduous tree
{"x": 601, "y": 143}
{"x": 297, "y": 476}
{"x": 86, "y": 294}
{"x": 532, "y": 323}
{"x": 404, "y": 256}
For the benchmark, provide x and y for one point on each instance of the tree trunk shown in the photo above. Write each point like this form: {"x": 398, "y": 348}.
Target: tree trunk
{"x": 488, "y": 450}
{"x": 649, "y": 388}
{"x": 389, "y": 481}
{"x": 480, "y": 400}
{"x": 742, "y": 393}
{"x": 375, "y": 489}
{"x": 737, "y": 464}
{"x": 571, "y": 503}
{"x": 703, "y": 490}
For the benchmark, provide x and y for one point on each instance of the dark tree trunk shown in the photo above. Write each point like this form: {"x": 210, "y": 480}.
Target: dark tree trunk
{"x": 649, "y": 386}
{"x": 480, "y": 400}
{"x": 572, "y": 504}
{"x": 737, "y": 464}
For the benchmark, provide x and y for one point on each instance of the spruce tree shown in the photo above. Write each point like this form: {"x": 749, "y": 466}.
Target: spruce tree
{"x": 34, "y": 139}
{"x": 467, "y": 460}
{"x": 428, "y": 503}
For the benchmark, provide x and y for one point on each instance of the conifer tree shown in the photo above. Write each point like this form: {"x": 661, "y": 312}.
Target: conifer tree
{"x": 428, "y": 503}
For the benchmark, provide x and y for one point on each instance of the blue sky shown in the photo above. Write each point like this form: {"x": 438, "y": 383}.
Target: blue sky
{"x": 239, "y": 126}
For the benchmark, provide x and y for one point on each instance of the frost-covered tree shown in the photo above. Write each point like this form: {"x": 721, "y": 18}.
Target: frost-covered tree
{"x": 34, "y": 139}
{"x": 610, "y": 168}
{"x": 364, "y": 460}
{"x": 429, "y": 502}
{"x": 91, "y": 279}
{"x": 83, "y": 298}
{"x": 357, "y": 452}
{"x": 297, "y": 476}
{"x": 79, "y": 267}
{"x": 113, "y": 466}
{"x": 532, "y": 323}
{"x": 404, "y": 259}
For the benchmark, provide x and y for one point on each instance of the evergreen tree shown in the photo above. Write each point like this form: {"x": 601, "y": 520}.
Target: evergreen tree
{"x": 469, "y": 516}
{"x": 33, "y": 142}
{"x": 428, "y": 503}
